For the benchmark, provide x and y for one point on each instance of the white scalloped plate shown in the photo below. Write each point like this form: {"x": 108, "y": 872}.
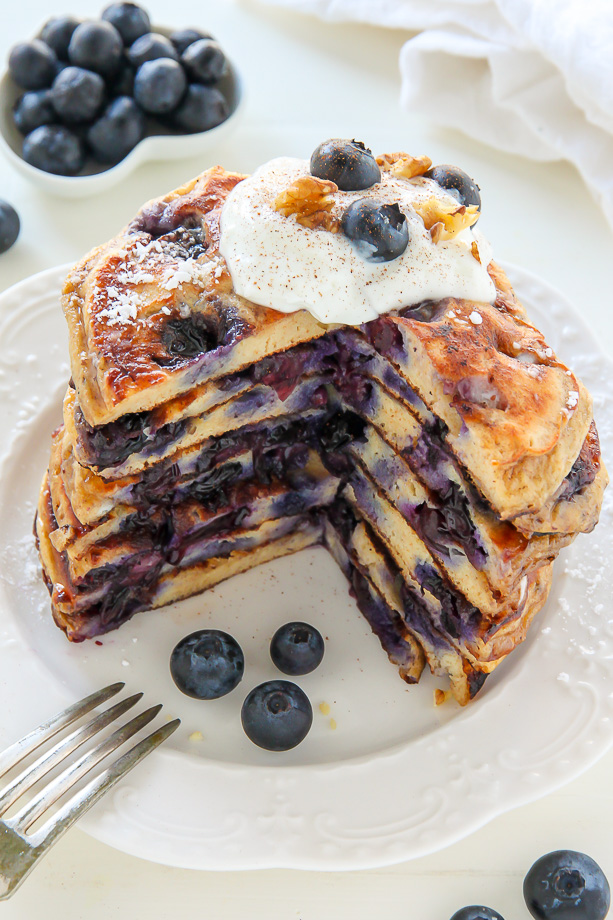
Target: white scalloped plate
{"x": 397, "y": 777}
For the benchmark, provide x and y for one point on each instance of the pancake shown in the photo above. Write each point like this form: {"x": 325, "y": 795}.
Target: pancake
{"x": 441, "y": 452}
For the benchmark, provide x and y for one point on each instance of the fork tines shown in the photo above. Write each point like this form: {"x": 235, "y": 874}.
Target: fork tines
{"x": 19, "y": 849}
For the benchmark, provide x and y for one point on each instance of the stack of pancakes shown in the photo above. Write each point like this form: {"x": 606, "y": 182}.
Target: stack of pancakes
{"x": 441, "y": 452}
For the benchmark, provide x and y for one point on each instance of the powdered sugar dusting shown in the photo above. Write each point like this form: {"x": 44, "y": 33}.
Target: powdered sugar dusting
{"x": 143, "y": 264}
{"x": 572, "y": 400}
{"x": 122, "y": 306}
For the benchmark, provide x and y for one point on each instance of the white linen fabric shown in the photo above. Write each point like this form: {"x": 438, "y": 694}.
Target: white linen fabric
{"x": 534, "y": 77}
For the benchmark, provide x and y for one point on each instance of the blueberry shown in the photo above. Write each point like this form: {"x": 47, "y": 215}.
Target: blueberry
{"x": 204, "y": 61}
{"x": 566, "y": 885}
{"x": 33, "y": 110}
{"x": 159, "y": 86}
{"x": 202, "y": 108}
{"x": 9, "y": 225}
{"x": 118, "y": 130}
{"x": 297, "y": 648}
{"x": 130, "y": 20}
{"x": 33, "y": 65}
{"x": 277, "y": 715}
{"x": 77, "y": 94}
{"x": 54, "y": 149}
{"x": 476, "y": 912}
{"x": 457, "y": 183}
{"x": 96, "y": 46}
{"x": 57, "y": 33}
{"x": 379, "y": 231}
{"x": 349, "y": 164}
{"x": 183, "y": 38}
{"x": 151, "y": 47}
{"x": 207, "y": 664}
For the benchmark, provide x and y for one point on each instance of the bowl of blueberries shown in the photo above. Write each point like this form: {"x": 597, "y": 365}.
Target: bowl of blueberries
{"x": 85, "y": 102}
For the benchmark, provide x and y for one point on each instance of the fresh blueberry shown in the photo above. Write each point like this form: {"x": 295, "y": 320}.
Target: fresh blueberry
{"x": 118, "y": 130}
{"x": 277, "y": 715}
{"x": 202, "y": 108}
{"x": 33, "y": 110}
{"x": 130, "y": 20}
{"x": 379, "y": 231}
{"x": 207, "y": 664}
{"x": 54, "y": 149}
{"x": 349, "y": 164}
{"x": 159, "y": 86}
{"x": 297, "y": 648}
{"x": 9, "y": 225}
{"x": 96, "y": 46}
{"x": 151, "y": 47}
{"x": 476, "y": 912}
{"x": 77, "y": 95}
{"x": 457, "y": 183}
{"x": 33, "y": 65}
{"x": 204, "y": 61}
{"x": 183, "y": 38}
{"x": 57, "y": 33}
{"x": 566, "y": 885}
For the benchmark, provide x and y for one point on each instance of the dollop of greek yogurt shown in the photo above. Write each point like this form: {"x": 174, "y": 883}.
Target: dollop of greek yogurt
{"x": 276, "y": 262}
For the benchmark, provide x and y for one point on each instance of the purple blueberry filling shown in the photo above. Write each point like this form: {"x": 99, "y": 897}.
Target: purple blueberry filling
{"x": 187, "y": 337}
{"x": 585, "y": 467}
{"x": 458, "y": 618}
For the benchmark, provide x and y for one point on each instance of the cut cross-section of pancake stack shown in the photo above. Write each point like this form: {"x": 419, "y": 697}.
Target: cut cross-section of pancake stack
{"x": 441, "y": 452}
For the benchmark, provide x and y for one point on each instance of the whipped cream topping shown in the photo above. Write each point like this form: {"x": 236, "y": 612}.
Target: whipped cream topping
{"x": 278, "y": 263}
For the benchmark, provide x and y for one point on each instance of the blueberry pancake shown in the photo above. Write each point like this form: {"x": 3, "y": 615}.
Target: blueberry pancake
{"x": 318, "y": 354}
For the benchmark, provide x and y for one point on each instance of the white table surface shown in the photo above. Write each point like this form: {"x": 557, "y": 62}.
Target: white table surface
{"x": 308, "y": 81}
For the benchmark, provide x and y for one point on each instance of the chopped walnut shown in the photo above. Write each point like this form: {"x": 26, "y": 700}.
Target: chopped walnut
{"x": 403, "y": 165}
{"x": 436, "y": 231}
{"x": 310, "y": 200}
{"x": 475, "y": 251}
{"x": 444, "y": 220}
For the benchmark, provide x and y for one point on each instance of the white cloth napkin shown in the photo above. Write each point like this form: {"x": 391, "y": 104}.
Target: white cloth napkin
{"x": 534, "y": 77}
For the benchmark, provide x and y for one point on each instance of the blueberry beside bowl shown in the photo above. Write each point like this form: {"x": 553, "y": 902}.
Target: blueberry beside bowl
{"x": 161, "y": 138}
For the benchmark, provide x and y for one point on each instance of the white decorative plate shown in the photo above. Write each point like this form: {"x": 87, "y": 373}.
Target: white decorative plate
{"x": 397, "y": 777}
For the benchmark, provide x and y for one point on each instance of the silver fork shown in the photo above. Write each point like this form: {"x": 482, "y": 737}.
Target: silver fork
{"x": 19, "y": 850}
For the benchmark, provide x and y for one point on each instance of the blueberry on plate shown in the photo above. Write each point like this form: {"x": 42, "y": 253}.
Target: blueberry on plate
{"x": 130, "y": 20}
{"x": 54, "y": 149}
{"x": 32, "y": 65}
{"x": 476, "y": 912}
{"x": 378, "y": 231}
{"x": 457, "y": 183}
{"x": 347, "y": 163}
{"x": 277, "y": 715}
{"x": 183, "y": 38}
{"x": 33, "y": 110}
{"x": 96, "y": 46}
{"x": 151, "y": 47}
{"x": 202, "y": 108}
{"x": 159, "y": 86}
{"x": 207, "y": 664}
{"x": 204, "y": 61}
{"x": 77, "y": 94}
{"x": 118, "y": 130}
{"x": 57, "y": 33}
{"x": 297, "y": 648}
{"x": 566, "y": 885}
{"x": 9, "y": 225}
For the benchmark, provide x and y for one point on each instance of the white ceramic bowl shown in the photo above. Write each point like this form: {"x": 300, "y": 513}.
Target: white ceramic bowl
{"x": 97, "y": 177}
